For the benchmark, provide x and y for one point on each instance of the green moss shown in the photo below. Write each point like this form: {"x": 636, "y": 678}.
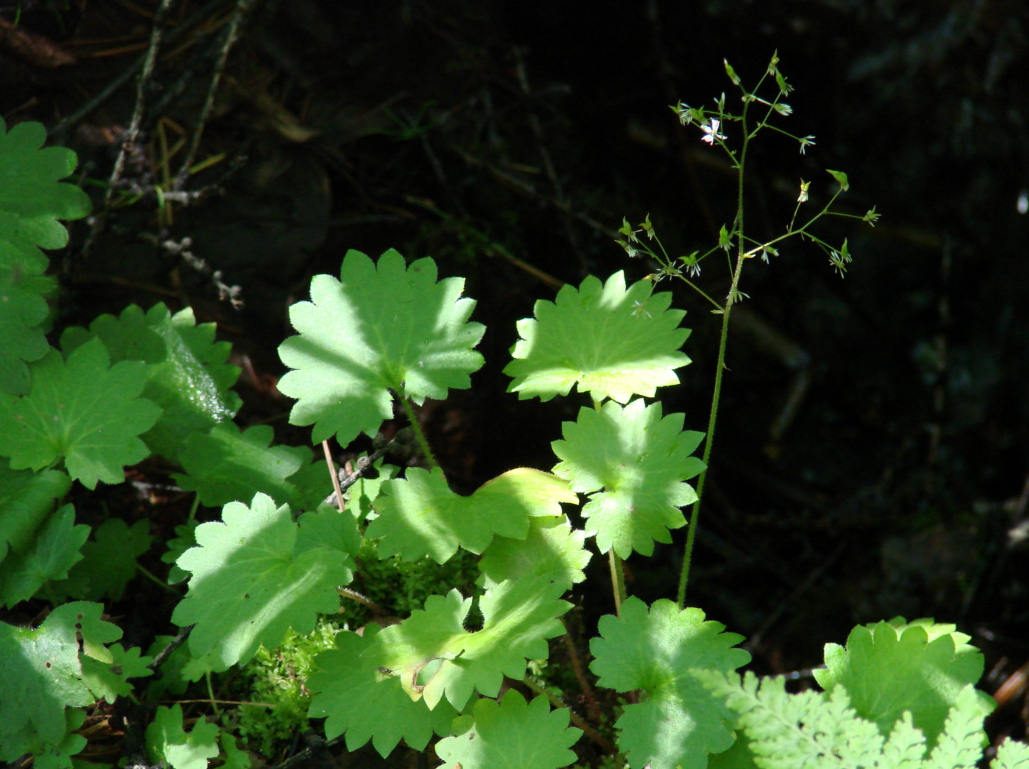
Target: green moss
{"x": 277, "y": 679}
{"x": 399, "y": 587}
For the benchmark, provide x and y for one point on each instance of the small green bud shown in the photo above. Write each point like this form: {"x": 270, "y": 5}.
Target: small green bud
{"x": 841, "y": 178}
{"x": 784, "y": 87}
{"x": 648, "y": 228}
{"x": 691, "y": 264}
{"x": 723, "y": 239}
{"x": 731, "y": 72}
{"x": 627, "y": 230}
{"x": 684, "y": 112}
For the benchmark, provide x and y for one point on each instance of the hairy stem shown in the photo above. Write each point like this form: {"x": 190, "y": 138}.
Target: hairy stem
{"x": 617, "y": 580}
{"x": 419, "y": 434}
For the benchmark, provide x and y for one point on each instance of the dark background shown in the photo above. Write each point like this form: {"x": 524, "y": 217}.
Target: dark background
{"x": 508, "y": 140}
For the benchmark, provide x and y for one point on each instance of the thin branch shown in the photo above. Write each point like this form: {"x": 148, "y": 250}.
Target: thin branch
{"x": 305, "y": 755}
{"x": 353, "y": 595}
{"x": 60, "y": 130}
{"x": 580, "y": 675}
{"x": 128, "y": 143}
{"x": 243, "y": 7}
{"x": 346, "y": 480}
{"x": 332, "y": 471}
{"x": 167, "y": 651}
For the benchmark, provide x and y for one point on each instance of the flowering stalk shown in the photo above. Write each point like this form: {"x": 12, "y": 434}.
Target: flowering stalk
{"x": 713, "y": 125}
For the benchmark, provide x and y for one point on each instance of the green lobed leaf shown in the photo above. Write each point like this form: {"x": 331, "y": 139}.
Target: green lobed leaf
{"x": 511, "y": 734}
{"x": 348, "y": 692}
{"x": 168, "y": 741}
{"x": 362, "y": 495}
{"x": 607, "y": 340}
{"x": 739, "y": 756}
{"x": 187, "y": 376}
{"x": 634, "y": 463}
{"x": 109, "y": 680}
{"x": 654, "y": 651}
{"x": 328, "y": 527}
{"x": 419, "y": 515}
{"x": 234, "y": 757}
{"x": 379, "y": 328}
{"x": 55, "y": 549}
{"x": 32, "y": 198}
{"x": 126, "y": 337}
{"x": 312, "y": 483}
{"x": 41, "y": 676}
{"x": 225, "y": 465}
{"x": 23, "y": 310}
{"x": 82, "y": 410}
{"x": 46, "y": 754}
{"x": 184, "y": 539}
{"x": 432, "y": 633}
{"x": 890, "y": 667}
{"x": 518, "y": 618}
{"x": 433, "y": 655}
{"x": 92, "y": 630}
{"x": 175, "y": 671}
{"x": 27, "y": 499}
{"x": 108, "y": 561}
{"x": 552, "y": 549}
{"x": 256, "y": 573}
{"x": 40, "y": 672}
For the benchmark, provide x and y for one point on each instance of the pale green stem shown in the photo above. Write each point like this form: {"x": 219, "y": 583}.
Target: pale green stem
{"x": 617, "y": 576}
{"x": 210, "y": 693}
{"x": 720, "y": 367}
{"x": 697, "y": 288}
{"x": 154, "y": 578}
{"x": 617, "y": 580}
{"x": 419, "y": 434}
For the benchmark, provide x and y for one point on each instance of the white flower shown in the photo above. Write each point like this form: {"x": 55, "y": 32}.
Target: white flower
{"x": 682, "y": 109}
{"x": 640, "y": 309}
{"x": 711, "y": 131}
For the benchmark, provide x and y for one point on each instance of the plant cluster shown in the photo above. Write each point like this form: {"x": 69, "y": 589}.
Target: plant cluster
{"x": 278, "y": 560}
